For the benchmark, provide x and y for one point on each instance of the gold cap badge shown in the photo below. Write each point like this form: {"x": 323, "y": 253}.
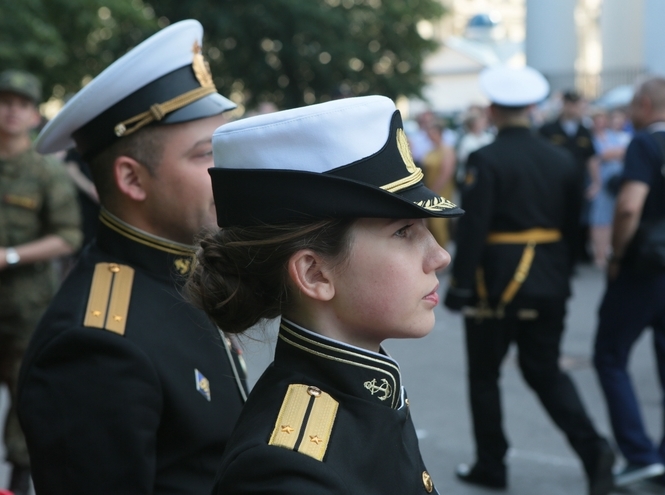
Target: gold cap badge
{"x": 201, "y": 67}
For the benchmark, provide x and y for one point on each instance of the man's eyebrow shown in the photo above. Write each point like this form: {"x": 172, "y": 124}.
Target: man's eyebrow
{"x": 199, "y": 143}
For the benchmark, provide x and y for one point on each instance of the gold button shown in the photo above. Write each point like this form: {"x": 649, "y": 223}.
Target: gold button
{"x": 314, "y": 391}
{"x": 427, "y": 481}
{"x": 113, "y": 268}
{"x": 406, "y": 401}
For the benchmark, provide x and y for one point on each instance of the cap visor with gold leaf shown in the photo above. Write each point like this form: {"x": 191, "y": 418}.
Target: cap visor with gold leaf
{"x": 342, "y": 159}
{"x": 164, "y": 80}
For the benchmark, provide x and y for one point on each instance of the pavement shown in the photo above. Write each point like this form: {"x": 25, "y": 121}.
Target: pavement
{"x": 434, "y": 373}
{"x": 540, "y": 460}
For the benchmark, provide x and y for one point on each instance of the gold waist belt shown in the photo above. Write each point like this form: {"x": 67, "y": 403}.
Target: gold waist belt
{"x": 537, "y": 236}
{"x": 530, "y": 238}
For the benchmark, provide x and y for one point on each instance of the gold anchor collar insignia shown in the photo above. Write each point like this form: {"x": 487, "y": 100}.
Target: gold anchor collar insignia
{"x": 382, "y": 390}
{"x": 183, "y": 265}
{"x": 368, "y": 375}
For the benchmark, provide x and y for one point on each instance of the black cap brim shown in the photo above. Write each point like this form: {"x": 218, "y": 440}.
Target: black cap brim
{"x": 306, "y": 196}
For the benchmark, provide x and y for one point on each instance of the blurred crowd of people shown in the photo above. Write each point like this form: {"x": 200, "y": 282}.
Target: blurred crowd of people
{"x": 596, "y": 136}
{"x": 540, "y": 182}
{"x": 523, "y": 198}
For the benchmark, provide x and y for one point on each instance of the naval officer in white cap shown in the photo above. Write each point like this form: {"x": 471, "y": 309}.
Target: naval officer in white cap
{"x": 324, "y": 224}
{"x": 511, "y": 277}
{"x": 126, "y": 388}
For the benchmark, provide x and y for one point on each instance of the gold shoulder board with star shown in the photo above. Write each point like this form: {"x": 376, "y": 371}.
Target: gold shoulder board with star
{"x": 305, "y": 421}
{"x": 108, "y": 302}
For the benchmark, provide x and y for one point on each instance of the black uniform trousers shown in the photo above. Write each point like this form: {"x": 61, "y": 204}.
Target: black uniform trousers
{"x": 538, "y": 341}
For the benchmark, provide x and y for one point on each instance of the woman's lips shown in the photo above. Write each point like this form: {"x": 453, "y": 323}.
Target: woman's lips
{"x": 433, "y": 296}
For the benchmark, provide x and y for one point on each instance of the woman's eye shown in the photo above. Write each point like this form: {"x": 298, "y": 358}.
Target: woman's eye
{"x": 403, "y": 232}
{"x": 203, "y": 154}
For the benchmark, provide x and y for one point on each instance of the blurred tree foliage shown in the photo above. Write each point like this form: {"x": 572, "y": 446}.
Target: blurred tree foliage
{"x": 293, "y": 51}
{"x": 66, "y": 42}
{"x": 288, "y": 52}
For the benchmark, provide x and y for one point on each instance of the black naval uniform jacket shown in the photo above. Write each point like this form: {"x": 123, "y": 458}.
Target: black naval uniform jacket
{"x": 126, "y": 388}
{"x": 517, "y": 183}
{"x": 580, "y": 145}
{"x": 325, "y": 418}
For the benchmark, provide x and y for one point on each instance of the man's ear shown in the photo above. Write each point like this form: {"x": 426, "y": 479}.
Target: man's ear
{"x": 130, "y": 177}
{"x": 311, "y": 275}
{"x": 646, "y": 103}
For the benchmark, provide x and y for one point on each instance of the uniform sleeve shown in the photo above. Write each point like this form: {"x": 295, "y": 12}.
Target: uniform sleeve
{"x": 61, "y": 215}
{"x": 473, "y": 227}
{"x": 574, "y": 191}
{"x": 592, "y": 149}
{"x": 637, "y": 161}
{"x": 90, "y": 406}
{"x": 270, "y": 470}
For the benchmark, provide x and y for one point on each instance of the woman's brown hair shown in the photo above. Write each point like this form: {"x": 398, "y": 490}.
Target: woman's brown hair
{"x": 241, "y": 274}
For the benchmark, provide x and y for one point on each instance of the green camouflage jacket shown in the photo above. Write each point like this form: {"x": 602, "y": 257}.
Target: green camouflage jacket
{"x": 37, "y": 199}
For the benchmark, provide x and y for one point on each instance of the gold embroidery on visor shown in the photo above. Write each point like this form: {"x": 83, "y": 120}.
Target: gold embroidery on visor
{"x": 158, "y": 111}
{"x": 415, "y": 173}
{"x": 437, "y": 204}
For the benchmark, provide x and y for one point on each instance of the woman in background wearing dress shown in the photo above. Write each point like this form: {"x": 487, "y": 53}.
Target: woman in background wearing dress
{"x": 610, "y": 144}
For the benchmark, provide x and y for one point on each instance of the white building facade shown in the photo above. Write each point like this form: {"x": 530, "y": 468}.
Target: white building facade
{"x": 589, "y": 45}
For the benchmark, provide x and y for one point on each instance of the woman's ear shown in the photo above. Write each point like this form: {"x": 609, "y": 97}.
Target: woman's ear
{"x": 311, "y": 276}
{"x": 130, "y": 177}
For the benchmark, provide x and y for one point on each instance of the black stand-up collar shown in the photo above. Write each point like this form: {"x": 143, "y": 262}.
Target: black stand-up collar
{"x": 513, "y": 130}
{"x": 159, "y": 256}
{"x": 371, "y": 376}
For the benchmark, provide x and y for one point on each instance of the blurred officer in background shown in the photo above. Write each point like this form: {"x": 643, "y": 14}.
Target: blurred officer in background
{"x": 39, "y": 221}
{"x": 126, "y": 388}
{"x": 570, "y": 132}
{"x": 511, "y": 277}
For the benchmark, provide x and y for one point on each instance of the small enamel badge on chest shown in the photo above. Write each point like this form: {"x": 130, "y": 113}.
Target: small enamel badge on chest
{"x": 202, "y": 384}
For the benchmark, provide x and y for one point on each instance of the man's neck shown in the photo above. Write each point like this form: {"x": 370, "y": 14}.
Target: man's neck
{"x": 656, "y": 119}
{"x": 574, "y": 118}
{"x": 513, "y": 122}
{"x": 134, "y": 216}
{"x": 11, "y": 146}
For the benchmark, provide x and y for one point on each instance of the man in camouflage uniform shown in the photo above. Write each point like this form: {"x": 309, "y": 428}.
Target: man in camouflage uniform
{"x": 39, "y": 221}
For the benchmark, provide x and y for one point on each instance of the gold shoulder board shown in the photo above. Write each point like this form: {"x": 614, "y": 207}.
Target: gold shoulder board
{"x": 305, "y": 421}
{"x": 108, "y": 302}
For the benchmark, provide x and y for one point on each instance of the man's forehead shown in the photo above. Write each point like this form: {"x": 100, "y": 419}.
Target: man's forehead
{"x": 10, "y": 95}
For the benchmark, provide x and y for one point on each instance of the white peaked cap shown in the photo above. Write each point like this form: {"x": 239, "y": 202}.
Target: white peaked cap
{"x": 297, "y": 140}
{"x": 153, "y": 60}
{"x": 345, "y": 158}
{"x": 514, "y": 87}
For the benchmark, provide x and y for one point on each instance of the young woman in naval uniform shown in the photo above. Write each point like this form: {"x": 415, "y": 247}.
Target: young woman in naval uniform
{"x": 323, "y": 217}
